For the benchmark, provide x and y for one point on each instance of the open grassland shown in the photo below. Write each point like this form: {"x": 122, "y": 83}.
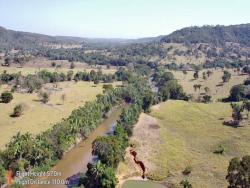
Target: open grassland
{"x": 179, "y": 134}
{"x": 38, "y": 117}
{"x": 218, "y": 89}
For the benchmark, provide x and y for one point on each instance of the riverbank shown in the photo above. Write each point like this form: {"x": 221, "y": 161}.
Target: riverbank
{"x": 75, "y": 160}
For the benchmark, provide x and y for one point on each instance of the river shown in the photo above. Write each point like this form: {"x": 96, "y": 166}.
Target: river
{"x": 76, "y": 160}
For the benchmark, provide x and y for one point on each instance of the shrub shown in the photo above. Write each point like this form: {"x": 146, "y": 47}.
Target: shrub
{"x": 187, "y": 170}
{"x": 96, "y": 81}
{"x": 219, "y": 150}
{"x": 206, "y": 98}
{"x": 44, "y": 96}
{"x": 72, "y": 65}
{"x": 226, "y": 76}
{"x": 53, "y": 64}
{"x": 6, "y": 97}
{"x": 186, "y": 184}
{"x": 18, "y": 110}
{"x": 156, "y": 176}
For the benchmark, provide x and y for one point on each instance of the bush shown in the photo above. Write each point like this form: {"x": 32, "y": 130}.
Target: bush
{"x": 206, "y": 98}
{"x": 219, "y": 150}
{"x": 18, "y": 110}
{"x": 187, "y": 170}
{"x": 44, "y": 96}
{"x": 6, "y": 97}
{"x": 186, "y": 184}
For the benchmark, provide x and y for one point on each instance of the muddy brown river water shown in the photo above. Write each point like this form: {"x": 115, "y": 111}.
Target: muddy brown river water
{"x": 76, "y": 160}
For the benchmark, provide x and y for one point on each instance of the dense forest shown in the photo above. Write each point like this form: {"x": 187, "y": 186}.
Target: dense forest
{"x": 218, "y": 35}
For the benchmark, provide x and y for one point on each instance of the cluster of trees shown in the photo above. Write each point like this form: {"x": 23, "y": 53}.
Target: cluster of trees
{"x": 239, "y": 92}
{"x": 33, "y": 82}
{"x": 211, "y": 64}
{"x": 238, "y": 109}
{"x": 168, "y": 86}
{"x": 226, "y": 64}
{"x": 94, "y": 76}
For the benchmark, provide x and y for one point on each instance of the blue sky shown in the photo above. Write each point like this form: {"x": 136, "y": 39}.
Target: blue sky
{"x": 118, "y": 18}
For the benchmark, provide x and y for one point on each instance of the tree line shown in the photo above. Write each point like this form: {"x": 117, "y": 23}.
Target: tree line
{"x": 33, "y": 82}
{"x": 110, "y": 150}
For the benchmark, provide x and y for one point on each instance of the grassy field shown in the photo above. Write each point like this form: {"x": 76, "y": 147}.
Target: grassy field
{"x": 187, "y": 135}
{"x": 214, "y": 83}
{"x": 38, "y": 117}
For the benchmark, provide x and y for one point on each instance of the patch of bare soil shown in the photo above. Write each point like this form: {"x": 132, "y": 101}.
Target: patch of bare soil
{"x": 145, "y": 135}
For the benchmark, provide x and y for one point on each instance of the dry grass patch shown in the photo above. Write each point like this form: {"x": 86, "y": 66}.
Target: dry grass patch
{"x": 213, "y": 83}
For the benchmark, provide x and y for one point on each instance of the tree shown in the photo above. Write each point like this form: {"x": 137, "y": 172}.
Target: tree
{"x": 163, "y": 78}
{"x": 6, "y": 97}
{"x": 207, "y": 90}
{"x": 72, "y": 65}
{"x": 209, "y": 73}
{"x": 70, "y": 75}
{"x": 63, "y": 98}
{"x": 238, "y": 172}
{"x": 18, "y": 110}
{"x": 247, "y": 106}
{"x": 207, "y": 98}
{"x": 108, "y": 150}
{"x": 197, "y": 86}
{"x": 237, "y": 112}
{"x": 99, "y": 175}
{"x": 196, "y": 75}
{"x": 171, "y": 90}
{"x": 7, "y": 61}
{"x": 237, "y": 93}
{"x": 53, "y": 64}
{"x": 204, "y": 76}
{"x": 226, "y": 76}
{"x": 148, "y": 100}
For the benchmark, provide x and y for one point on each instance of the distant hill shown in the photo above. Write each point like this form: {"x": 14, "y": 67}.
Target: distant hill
{"x": 193, "y": 45}
{"x": 216, "y": 35}
{"x": 21, "y": 40}
{"x": 10, "y": 39}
